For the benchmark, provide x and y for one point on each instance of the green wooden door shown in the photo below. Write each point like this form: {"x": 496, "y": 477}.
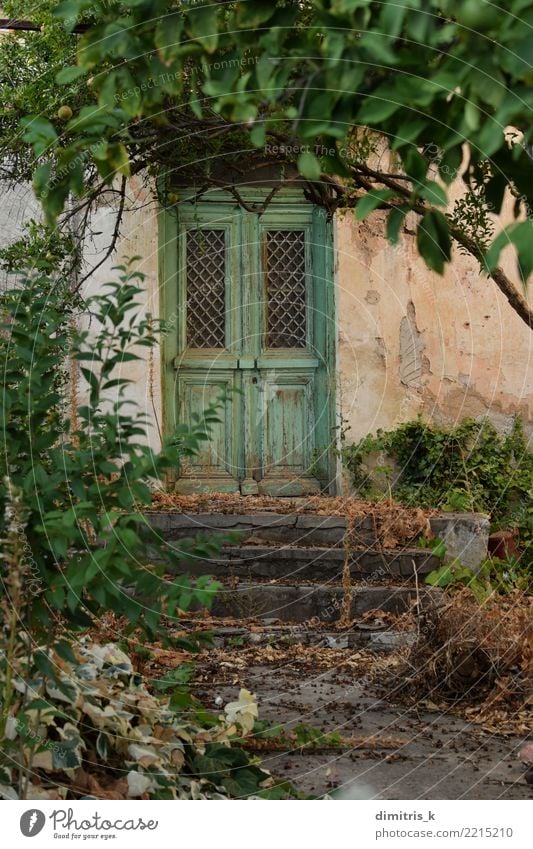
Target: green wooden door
{"x": 249, "y": 303}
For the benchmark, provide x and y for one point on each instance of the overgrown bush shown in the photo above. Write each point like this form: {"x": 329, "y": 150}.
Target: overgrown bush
{"x": 78, "y": 480}
{"x": 494, "y": 576}
{"x": 468, "y": 467}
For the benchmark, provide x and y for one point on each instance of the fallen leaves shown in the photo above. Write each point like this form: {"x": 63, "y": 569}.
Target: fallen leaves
{"x": 394, "y": 523}
{"x": 477, "y": 658}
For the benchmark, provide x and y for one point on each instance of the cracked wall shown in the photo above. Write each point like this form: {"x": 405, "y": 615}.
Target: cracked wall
{"x": 408, "y": 340}
{"x": 411, "y": 341}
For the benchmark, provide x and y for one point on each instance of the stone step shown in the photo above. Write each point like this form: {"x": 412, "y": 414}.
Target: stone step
{"x": 315, "y": 564}
{"x": 313, "y": 603}
{"x": 378, "y": 637}
{"x": 292, "y": 528}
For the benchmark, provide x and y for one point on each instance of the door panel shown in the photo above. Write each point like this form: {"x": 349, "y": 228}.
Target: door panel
{"x": 215, "y": 467}
{"x": 251, "y": 302}
{"x": 286, "y": 425}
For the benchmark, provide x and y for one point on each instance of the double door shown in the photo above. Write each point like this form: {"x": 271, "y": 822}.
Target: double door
{"x": 252, "y": 302}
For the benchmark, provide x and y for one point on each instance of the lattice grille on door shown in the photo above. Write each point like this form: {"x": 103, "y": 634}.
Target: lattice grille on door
{"x": 206, "y": 283}
{"x": 285, "y": 257}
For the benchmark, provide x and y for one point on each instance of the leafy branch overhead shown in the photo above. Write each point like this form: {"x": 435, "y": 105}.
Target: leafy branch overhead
{"x": 445, "y": 83}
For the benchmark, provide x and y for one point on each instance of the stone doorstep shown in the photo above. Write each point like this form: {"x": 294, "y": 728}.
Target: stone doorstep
{"x": 315, "y": 563}
{"x": 301, "y": 604}
{"x": 233, "y": 521}
{"x": 466, "y": 536}
{"x": 276, "y": 527}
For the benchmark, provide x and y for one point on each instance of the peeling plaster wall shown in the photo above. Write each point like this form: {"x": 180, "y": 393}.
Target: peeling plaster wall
{"x": 410, "y": 341}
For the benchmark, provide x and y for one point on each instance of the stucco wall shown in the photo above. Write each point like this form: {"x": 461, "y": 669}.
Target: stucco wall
{"x": 139, "y": 238}
{"x": 411, "y": 341}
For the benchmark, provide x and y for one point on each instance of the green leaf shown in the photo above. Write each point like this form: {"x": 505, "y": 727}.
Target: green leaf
{"x": 441, "y": 577}
{"x": 102, "y": 745}
{"x": 376, "y": 109}
{"x": 202, "y": 25}
{"x": 90, "y": 377}
{"x": 433, "y": 240}
{"x": 521, "y": 236}
{"x": 371, "y": 201}
{"x": 64, "y": 650}
{"x": 168, "y": 36}
{"x": 40, "y": 133}
{"x": 433, "y": 193}
{"x": 41, "y": 178}
{"x": 309, "y": 166}
{"x": 69, "y": 11}
{"x": 392, "y": 15}
{"x": 258, "y": 135}
{"x": 395, "y": 220}
{"x": 251, "y": 14}
{"x": 68, "y": 75}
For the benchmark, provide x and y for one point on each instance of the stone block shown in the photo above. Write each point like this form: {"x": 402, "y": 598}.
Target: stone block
{"x": 465, "y": 535}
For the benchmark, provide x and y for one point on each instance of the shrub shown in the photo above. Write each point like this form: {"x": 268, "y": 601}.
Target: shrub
{"x": 78, "y": 481}
{"x": 74, "y": 545}
{"x": 93, "y": 730}
{"x": 468, "y": 467}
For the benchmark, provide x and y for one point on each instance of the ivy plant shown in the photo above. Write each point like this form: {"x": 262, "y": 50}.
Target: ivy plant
{"x": 470, "y": 467}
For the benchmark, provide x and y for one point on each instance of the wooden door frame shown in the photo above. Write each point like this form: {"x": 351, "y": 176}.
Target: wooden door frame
{"x": 290, "y": 201}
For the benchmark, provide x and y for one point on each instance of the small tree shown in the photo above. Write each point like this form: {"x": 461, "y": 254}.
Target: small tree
{"x": 81, "y": 485}
{"x": 76, "y": 719}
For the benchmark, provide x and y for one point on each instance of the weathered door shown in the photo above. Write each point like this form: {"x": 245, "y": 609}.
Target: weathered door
{"x": 252, "y": 301}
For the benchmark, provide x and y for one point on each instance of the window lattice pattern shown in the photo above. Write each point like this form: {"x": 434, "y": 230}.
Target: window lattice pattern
{"x": 206, "y": 254}
{"x": 285, "y": 255}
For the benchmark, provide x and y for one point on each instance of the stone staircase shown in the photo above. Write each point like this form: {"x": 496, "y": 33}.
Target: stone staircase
{"x": 287, "y": 568}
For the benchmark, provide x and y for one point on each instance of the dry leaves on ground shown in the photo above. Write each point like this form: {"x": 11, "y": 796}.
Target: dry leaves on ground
{"x": 394, "y": 523}
{"x": 478, "y": 658}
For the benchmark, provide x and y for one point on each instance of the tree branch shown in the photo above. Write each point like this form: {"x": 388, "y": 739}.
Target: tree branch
{"x": 504, "y": 284}
{"x": 114, "y": 238}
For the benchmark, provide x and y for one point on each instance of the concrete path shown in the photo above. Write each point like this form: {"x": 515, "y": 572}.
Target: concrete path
{"x": 437, "y": 756}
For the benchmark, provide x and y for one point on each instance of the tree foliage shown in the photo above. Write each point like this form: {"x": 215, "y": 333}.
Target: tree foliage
{"x": 159, "y": 83}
